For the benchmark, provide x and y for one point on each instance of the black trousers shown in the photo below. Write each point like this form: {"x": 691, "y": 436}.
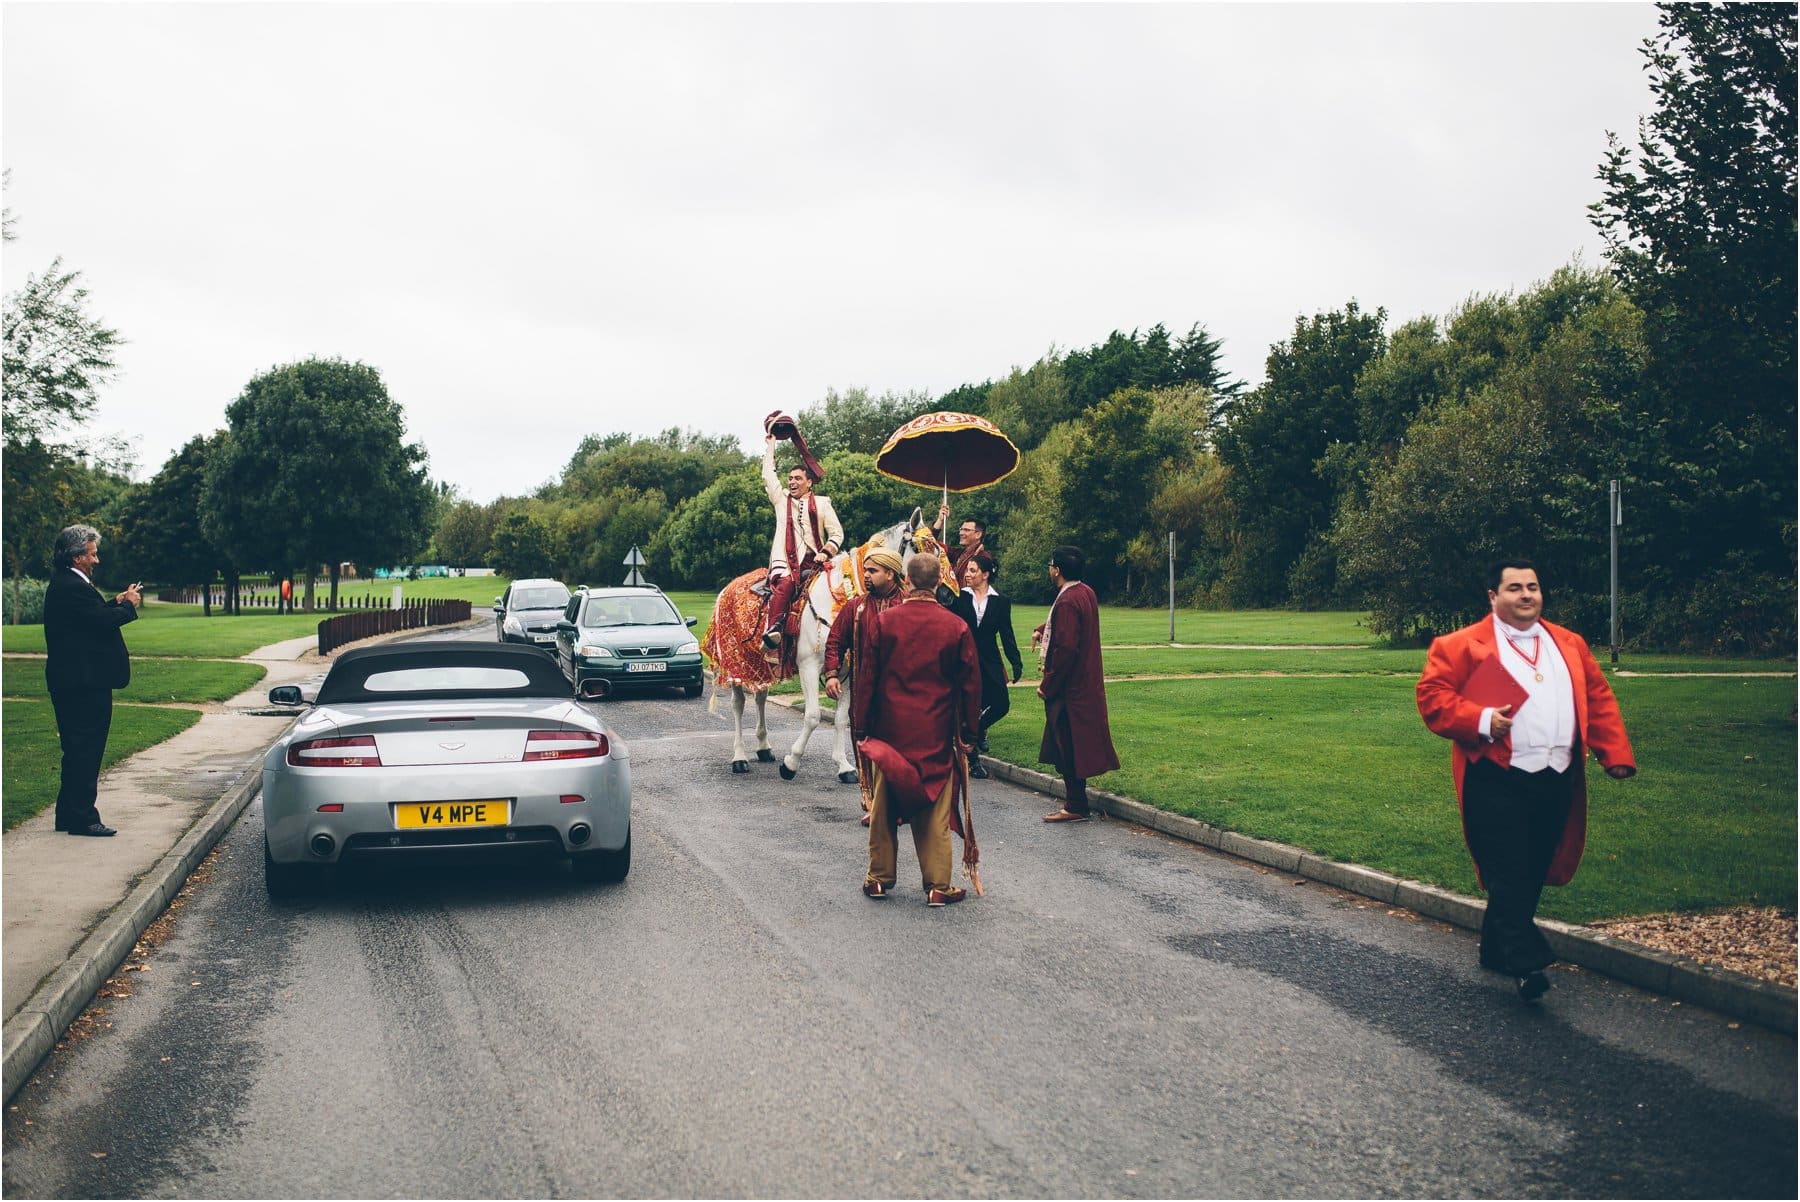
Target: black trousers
{"x": 83, "y": 718}
{"x": 1075, "y": 787}
{"x": 1514, "y": 821}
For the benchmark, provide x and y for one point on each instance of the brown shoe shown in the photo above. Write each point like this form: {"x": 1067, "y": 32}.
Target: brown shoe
{"x": 945, "y": 897}
{"x": 876, "y": 890}
{"x": 1065, "y": 816}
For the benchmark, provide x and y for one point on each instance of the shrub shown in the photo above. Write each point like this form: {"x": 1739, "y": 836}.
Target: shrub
{"x": 31, "y": 601}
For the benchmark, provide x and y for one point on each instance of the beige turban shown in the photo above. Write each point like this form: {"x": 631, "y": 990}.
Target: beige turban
{"x": 885, "y": 558}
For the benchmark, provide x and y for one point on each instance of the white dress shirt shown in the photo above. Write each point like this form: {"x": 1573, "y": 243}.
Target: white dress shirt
{"x": 1543, "y": 730}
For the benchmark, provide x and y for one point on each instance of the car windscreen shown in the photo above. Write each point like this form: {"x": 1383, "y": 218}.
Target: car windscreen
{"x": 418, "y": 671}
{"x": 540, "y": 598}
{"x": 629, "y": 611}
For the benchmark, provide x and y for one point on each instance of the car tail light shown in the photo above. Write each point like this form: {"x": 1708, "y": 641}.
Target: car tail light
{"x": 332, "y": 807}
{"x": 563, "y": 745}
{"x": 357, "y": 751}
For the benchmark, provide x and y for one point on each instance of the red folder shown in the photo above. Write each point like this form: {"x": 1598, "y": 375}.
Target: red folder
{"x": 1490, "y": 684}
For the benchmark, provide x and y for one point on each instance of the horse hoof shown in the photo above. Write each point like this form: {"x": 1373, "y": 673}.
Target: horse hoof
{"x": 787, "y": 773}
{"x": 740, "y": 765}
{"x": 846, "y": 778}
{"x": 765, "y": 756}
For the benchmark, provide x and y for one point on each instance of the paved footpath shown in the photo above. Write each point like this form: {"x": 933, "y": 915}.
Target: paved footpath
{"x": 73, "y": 908}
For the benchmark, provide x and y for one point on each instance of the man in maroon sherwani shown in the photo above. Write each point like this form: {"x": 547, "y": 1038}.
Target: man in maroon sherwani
{"x": 915, "y": 707}
{"x": 1077, "y": 736}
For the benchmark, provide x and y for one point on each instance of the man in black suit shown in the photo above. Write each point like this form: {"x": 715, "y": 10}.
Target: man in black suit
{"x": 86, "y": 661}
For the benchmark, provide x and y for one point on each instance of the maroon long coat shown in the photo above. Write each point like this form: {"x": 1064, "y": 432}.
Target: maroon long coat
{"x": 916, "y": 688}
{"x": 1074, "y": 688}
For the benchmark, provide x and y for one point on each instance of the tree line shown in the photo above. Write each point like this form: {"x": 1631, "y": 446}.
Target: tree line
{"x": 1378, "y": 465}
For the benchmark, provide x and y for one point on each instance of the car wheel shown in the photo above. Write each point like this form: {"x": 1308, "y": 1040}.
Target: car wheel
{"x": 692, "y": 690}
{"x": 287, "y": 881}
{"x": 603, "y": 867}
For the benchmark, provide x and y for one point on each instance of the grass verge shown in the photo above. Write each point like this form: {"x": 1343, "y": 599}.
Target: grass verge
{"x": 1344, "y": 768}
{"x": 31, "y": 762}
{"x": 152, "y": 680}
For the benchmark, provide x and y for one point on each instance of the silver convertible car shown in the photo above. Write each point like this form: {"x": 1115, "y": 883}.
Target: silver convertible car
{"x": 445, "y": 750}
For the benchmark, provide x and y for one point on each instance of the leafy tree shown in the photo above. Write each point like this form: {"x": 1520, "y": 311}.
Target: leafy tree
{"x": 1699, "y": 223}
{"x": 1278, "y": 440}
{"x": 1107, "y": 482}
{"x": 1028, "y": 403}
{"x": 315, "y": 471}
{"x": 56, "y": 356}
{"x": 524, "y": 547}
{"x": 161, "y": 522}
{"x": 717, "y": 536}
{"x": 465, "y": 534}
{"x": 1518, "y": 467}
{"x": 855, "y": 420}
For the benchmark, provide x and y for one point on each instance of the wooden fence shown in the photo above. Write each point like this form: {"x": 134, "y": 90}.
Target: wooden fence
{"x": 361, "y": 624}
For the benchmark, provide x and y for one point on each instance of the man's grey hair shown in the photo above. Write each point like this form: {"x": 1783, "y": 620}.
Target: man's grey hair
{"x": 72, "y": 542}
{"x": 922, "y": 571}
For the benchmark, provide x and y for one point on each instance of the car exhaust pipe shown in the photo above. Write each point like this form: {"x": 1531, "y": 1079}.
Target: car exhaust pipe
{"x": 594, "y": 689}
{"x": 580, "y": 833}
{"x": 323, "y": 845}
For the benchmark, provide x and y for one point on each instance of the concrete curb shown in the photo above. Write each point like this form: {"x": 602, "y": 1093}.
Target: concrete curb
{"x": 60, "y": 999}
{"x": 31, "y": 1033}
{"x": 1718, "y": 989}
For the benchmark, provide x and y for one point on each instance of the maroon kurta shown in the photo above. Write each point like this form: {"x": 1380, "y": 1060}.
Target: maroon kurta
{"x": 1074, "y": 688}
{"x": 917, "y": 686}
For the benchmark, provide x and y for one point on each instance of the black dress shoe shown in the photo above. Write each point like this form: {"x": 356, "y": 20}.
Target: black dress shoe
{"x": 98, "y": 830}
{"x": 1533, "y": 985}
{"x": 978, "y": 772}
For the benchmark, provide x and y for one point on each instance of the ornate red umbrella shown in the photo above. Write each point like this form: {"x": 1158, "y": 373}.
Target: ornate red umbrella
{"x": 957, "y": 452}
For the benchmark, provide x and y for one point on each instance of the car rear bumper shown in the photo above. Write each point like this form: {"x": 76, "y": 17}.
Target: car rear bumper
{"x": 367, "y": 826}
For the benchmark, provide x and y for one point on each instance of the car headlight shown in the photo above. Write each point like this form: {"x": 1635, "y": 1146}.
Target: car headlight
{"x": 512, "y": 625}
{"x": 594, "y": 651}
{"x": 691, "y": 647}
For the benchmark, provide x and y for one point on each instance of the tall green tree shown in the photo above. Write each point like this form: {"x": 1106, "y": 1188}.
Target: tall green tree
{"x": 316, "y": 471}
{"x": 161, "y": 522}
{"x": 55, "y": 355}
{"x": 1108, "y": 481}
{"x": 1276, "y": 448}
{"x": 857, "y": 420}
{"x": 1699, "y": 220}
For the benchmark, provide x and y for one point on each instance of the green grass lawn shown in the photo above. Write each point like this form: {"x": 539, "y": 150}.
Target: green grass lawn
{"x": 31, "y": 761}
{"x": 1345, "y": 768}
{"x": 152, "y": 680}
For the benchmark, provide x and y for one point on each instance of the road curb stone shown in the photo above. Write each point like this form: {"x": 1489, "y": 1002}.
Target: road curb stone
{"x": 31, "y": 1033}
{"x": 1720, "y": 989}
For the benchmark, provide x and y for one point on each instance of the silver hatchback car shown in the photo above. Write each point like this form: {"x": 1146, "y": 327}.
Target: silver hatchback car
{"x": 527, "y": 612}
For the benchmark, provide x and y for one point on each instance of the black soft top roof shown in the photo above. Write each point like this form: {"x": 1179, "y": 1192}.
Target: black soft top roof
{"x": 348, "y": 679}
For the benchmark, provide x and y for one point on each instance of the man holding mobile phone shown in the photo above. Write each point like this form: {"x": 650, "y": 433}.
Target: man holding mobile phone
{"x": 86, "y": 660}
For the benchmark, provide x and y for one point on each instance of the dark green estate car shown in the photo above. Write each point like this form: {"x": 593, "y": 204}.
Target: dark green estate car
{"x": 627, "y": 638}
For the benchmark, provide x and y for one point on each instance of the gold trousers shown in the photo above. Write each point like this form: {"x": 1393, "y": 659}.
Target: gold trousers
{"x": 931, "y": 838}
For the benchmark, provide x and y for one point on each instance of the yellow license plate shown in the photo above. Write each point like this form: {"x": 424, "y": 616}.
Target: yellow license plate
{"x": 412, "y": 815}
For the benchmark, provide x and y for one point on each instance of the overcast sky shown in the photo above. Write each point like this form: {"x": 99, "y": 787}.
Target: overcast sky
{"x": 544, "y": 221}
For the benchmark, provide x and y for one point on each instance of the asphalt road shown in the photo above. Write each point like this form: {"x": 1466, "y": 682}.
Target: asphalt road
{"x": 1122, "y": 1015}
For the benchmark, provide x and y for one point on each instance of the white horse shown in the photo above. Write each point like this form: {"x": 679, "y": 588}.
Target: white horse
{"x": 822, "y": 601}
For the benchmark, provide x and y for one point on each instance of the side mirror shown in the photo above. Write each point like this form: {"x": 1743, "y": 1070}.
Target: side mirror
{"x": 565, "y": 627}
{"x": 693, "y": 621}
{"x": 286, "y": 694}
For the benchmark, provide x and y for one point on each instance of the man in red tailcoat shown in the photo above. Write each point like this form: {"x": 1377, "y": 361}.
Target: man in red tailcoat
{"x": 1522, "y": 701}
{"x": 915, "y": 706}
{"x": 1077, "y": 735}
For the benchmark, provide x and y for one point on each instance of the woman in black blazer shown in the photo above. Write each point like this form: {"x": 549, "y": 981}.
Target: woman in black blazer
{"x": 988, "y": 615}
